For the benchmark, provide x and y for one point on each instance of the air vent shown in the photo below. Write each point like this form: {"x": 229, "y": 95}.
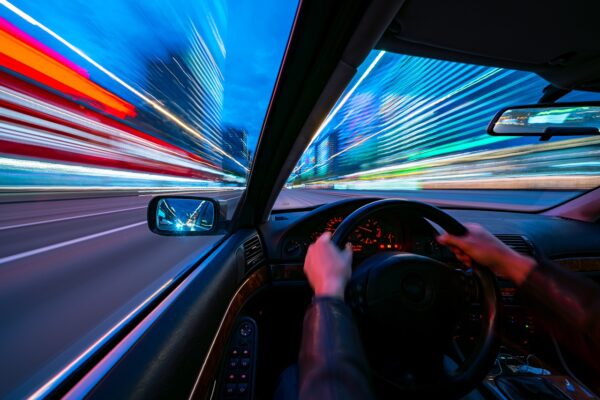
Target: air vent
{"x": 517, "y": 242}
{"x": 253, "y": 252}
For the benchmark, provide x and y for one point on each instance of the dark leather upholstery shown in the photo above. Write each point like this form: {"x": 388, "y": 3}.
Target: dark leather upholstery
{"x": 568, "y": 306}
{"x": 333, "y": 365}
{"x": 332, "y": 362}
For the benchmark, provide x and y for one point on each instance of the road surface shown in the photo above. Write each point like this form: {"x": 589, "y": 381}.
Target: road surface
{"x": 71, "y": 269}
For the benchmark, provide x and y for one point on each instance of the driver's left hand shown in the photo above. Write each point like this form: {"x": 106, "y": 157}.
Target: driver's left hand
{"x": 328, "y": 268}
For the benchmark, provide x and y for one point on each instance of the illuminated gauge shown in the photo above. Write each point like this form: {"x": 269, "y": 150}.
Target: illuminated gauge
{"x": 333, "y": 223}
{"x": 330, "y": 226}
{"x": 357, "y": 248}
{"x": 389, "y": 241}
{"x": 368, "y": 233}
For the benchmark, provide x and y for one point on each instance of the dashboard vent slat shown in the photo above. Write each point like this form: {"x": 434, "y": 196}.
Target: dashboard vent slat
{"x": 253, "y": 252}
{"x": 518, "y": 243}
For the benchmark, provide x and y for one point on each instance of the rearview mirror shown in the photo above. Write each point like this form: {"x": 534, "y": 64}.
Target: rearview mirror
{"x": 547, "y": 120}
{"x": 184, "y": 216}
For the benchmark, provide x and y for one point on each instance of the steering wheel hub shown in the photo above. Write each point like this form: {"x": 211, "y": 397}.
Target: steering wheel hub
{"x": 412, "y": 295}
{"x": 415, "y": 302}
{"x": 415, "y": 289}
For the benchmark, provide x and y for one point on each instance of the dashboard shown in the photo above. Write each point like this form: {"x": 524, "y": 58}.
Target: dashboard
{"x": 380, "y": 232}
{"x": 288, "y": 234}
{"x": 572, "y": 244}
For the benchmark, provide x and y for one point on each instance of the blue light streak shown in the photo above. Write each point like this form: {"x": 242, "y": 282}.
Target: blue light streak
{"x": 421, "y": 123}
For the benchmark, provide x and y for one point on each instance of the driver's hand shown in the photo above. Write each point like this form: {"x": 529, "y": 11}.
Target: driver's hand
{"x": 328, "y": 268}
{"x": 483, "y": 248}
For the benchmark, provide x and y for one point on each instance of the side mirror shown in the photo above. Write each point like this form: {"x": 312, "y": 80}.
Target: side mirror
{"x": 185, "y": 216}
{"x": 547, "y": 120}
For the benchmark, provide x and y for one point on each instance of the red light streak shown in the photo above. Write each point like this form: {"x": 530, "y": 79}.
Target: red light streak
{"x": 47, "y": 97}
{"x": 26, "y": 56}
{"x": 99, "y": 130}
{"x": 12, "y": 30}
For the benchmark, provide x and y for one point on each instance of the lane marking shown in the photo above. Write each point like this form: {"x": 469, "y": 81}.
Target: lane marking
{"x": 47, "y": 221}
{"x": 67, "y": 243}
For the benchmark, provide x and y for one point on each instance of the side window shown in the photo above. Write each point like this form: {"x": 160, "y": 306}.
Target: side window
{"x": 105, "y": 104}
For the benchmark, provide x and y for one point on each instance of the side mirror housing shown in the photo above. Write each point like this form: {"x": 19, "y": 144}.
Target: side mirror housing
{"x": 186, "y": 216}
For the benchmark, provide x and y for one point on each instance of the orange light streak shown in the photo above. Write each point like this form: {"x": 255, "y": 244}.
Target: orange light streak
{"x": 27, "y": 59}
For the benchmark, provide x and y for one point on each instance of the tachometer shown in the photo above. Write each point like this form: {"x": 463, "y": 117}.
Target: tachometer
{"x": 333, "y": 223}
{"x": 330, "y": 226}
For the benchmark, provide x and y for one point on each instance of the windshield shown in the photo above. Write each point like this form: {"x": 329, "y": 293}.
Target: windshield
{"x": 416, "y": 128}
{"x": 104, "y": 103}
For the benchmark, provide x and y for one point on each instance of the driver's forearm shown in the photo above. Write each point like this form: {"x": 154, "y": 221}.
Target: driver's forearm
{"x": 332, "y": 362}
{"x": 568, "y": 305}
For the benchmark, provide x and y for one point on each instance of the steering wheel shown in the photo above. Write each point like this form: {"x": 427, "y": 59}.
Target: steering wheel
{"x": 408, "y": 307}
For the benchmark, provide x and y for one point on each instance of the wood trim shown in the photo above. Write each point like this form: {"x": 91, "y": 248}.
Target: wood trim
{"x": 587, "y": 264}
{"x": 204, "y": 385}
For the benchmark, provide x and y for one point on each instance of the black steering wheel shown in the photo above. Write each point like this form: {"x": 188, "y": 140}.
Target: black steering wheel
{"x": 408, "y": 307}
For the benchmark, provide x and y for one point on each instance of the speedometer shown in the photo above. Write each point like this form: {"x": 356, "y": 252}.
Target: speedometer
{"x": 368, "y": 233}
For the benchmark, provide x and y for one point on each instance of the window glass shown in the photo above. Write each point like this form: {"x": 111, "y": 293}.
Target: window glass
{"x": 103, "y": 104}
{"x": 415, "y": 127}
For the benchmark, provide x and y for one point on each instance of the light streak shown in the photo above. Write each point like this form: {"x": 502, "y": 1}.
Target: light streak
{"x": 40, "y": 168}
{"x": 22, "y": 54}
{"x": 347, "y": 96}
{"x": 47, "y": 387}
{"x": 102, "y": 140}
{"x": 420, "y": 123}
{"x": 154, "y": 104}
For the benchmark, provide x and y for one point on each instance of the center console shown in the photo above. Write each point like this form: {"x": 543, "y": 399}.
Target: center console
{"x": 516, "y": 377}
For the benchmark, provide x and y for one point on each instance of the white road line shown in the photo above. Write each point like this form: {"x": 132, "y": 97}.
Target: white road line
{"x": 2, "y": 228}
{"x": 44, "y": 249}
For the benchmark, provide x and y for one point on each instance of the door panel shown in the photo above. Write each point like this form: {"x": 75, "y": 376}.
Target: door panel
{"x": 166, "y": 360}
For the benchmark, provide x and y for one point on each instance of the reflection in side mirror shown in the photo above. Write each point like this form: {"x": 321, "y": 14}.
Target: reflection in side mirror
{"x": 546, "y": 120}
{"x": 183, "y": 216}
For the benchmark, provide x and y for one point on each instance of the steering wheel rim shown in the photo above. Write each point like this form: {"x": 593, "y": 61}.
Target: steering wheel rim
{"x": 476, "y": 366}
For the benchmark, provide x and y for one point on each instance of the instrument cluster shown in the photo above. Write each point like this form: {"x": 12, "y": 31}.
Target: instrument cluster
{"x": 375, "y": 234}
{"x": 370, "y": 236}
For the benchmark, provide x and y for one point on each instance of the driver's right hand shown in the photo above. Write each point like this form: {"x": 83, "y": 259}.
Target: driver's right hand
{"x": 481, "y": 247}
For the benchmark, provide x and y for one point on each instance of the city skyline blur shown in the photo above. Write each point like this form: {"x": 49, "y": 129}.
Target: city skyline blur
{"x": 167, "y": 77}
{"x": 408, "y": 122}
{"x": 135, "y": 94}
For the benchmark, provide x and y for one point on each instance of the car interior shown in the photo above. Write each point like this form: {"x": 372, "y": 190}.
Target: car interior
{"x": 229, "y": 327}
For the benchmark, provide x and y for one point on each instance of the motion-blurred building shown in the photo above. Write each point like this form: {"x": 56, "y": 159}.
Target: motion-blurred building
{"x": 235, "y": 142}
{"x": 189, "y": 84}
{"x": 407, "y": 113}
{"x": 188, "y": 95}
